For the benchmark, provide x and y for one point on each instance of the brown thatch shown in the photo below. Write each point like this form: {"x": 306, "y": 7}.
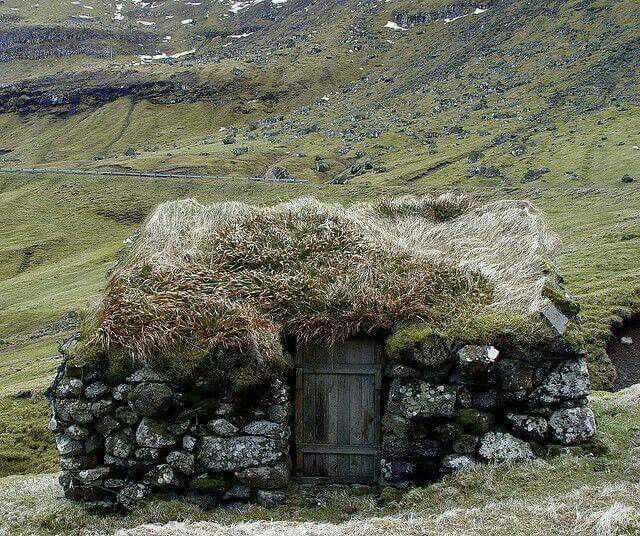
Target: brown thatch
{"x": 233, "y": 276}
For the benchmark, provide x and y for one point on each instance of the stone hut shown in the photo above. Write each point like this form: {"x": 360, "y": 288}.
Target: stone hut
{"x": 237, "y": 348}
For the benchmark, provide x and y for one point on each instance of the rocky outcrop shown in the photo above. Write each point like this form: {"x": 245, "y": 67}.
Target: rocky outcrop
{"x": 38, "y": 42}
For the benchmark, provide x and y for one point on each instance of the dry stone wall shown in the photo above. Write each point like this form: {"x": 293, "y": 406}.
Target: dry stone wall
{"x": 446, "y": 411}
{"x": 120, "y": 442}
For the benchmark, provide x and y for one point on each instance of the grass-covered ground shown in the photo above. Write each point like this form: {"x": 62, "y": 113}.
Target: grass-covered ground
{"x": 591, "y": 491}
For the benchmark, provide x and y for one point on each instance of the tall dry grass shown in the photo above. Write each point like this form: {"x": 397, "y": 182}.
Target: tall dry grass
{"x": 234, "y": 276}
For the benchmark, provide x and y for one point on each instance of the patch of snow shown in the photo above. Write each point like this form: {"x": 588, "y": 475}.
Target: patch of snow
{"x": 186, "y": 21}
{"x": 146, "y": 23}
{"x": 395, "y": 26}
{"x": 240, "y": 36}
{"x": 447, "y": 21}
{"x": 165, "y": 56}
{"x": 626, "y": 340}
{"x": 479, "y": 11}
{"x": 237, "y": 6}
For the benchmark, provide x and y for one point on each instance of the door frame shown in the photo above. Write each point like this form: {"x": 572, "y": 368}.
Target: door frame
{"x": 299, "y": 446}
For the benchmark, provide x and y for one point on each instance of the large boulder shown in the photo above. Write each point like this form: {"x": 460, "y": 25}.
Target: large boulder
{"x": 415, "y": 398}
{"x": 500, "y": 447}
{"x": 573, "y": 425}
{"x": 569, "y": 381}
{"x": 150, "y": 399}
{"x": 233, "y": 453}
{"x": 152, "y": 434}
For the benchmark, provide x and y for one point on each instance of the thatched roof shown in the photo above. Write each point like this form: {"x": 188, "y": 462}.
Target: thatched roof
{"x": 230, "y": 276}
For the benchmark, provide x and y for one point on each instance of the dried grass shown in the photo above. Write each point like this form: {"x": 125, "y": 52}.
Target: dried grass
{"x": 234, "y": 276}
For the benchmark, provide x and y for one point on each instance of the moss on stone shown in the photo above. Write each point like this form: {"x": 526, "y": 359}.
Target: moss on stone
{"x": 208, "y": 485}
{"x": 561, "y": 299}
{"x": 499, "y": 329}
{"x": 474, "y": 421}
{"x": 81, "y": 355}
{"x": 422, "y": 344}
{"x": 120, "y": 365}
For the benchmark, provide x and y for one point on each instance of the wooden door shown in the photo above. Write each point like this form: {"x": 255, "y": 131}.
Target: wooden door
{"x": 338, "y": 411}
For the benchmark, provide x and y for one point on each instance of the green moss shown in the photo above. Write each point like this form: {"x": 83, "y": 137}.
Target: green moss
{"x": 120, "y": 365}
{"x": 82, "y": 354}
{"x": 474, "y": 421}
{"x": 561, "y": 299}
{"x": 26, "y": 444}
{"x": 421, "y": 344}
{"x": 390, "y": 494}
{"x": 499, "y": 329}
{"x": 208, "y": 485}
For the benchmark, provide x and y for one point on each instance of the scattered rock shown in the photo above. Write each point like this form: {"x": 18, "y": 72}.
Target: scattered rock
{"x": 573, "y": 425}
{"x": 500, "y": 447}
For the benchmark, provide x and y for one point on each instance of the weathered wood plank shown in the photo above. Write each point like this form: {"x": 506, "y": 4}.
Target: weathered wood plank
{"x": 320, "y": 448}
{"x": 338, "y": 409}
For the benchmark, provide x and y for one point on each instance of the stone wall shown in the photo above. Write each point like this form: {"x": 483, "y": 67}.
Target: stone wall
{"x": 449, "y": 410}
{"x": 119, "y": 442}
{"x": 443, "y": 409}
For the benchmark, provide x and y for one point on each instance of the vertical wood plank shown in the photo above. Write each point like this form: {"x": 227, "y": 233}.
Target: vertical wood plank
{"x": 337, "y": 409}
